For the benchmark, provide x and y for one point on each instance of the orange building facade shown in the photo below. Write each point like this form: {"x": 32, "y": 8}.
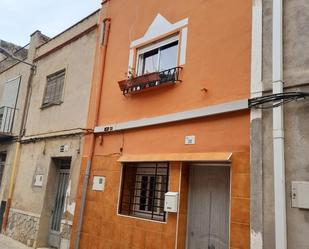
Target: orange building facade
{"x": 169, "y": 113}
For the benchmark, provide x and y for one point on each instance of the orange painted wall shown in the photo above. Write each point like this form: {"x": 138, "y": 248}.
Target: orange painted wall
{"x": 104, "y": 229}
{"x": 221, "y": 133}
{"x": 217, "y": 58}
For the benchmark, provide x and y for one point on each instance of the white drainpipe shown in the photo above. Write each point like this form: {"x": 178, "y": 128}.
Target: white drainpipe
{"x": 278, "y": 129}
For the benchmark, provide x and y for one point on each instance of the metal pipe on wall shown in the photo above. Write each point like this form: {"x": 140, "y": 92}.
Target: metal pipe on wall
{"x": 178, "y": 208}
{"x": 278, "y": 128}
{"x": 104, "y": 26}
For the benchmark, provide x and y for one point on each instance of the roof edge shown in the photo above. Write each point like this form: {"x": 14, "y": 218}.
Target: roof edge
{"x": 69, "y": 28}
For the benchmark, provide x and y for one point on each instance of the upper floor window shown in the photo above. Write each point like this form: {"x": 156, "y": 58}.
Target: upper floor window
{"x": 54, "y": 89}
{"x": 158, "y": 56}
{"x": 158, "y": 63}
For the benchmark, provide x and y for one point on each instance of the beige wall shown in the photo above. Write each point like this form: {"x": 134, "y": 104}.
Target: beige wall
{"x": 35, "y": 203}
{"x": 77, "y": 59}
{"x": 296, "y": 120}
{"x": 23, "y": 71}
{"x": 36, "y": 159}
{"x": 9, "y": 148}
{"x": 36, "y": 156}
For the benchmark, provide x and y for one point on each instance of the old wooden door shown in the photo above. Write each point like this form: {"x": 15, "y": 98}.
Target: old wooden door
{"x": 209, "y": 201}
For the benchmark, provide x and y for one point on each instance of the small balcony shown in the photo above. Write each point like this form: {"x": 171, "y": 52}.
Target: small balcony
{"x": 7, "y": 115}
{"x": 150, "y": 81}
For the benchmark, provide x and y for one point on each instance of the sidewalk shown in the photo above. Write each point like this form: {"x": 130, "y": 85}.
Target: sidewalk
{"x": 8, "y": 243}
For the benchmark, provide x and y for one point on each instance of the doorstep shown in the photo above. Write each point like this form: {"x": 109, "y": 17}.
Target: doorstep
{"x": 9, "y": 243}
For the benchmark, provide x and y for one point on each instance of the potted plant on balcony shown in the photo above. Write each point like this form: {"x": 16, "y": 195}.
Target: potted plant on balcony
{"x": 132, "y": 81}
{"x": 124, "y": 84}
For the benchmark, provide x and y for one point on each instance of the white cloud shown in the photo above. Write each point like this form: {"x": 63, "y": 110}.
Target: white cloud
{"x": 19, "y": 19}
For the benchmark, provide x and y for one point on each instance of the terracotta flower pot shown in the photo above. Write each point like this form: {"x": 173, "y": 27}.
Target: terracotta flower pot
{"x": 143, "y": 79}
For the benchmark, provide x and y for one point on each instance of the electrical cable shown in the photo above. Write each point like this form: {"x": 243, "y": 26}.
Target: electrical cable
{"x": 275, "y": 100}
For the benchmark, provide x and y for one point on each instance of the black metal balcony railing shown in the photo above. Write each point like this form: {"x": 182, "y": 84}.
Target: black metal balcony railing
{"x": 6, "y": 119}
{"x": 149, "y": 81}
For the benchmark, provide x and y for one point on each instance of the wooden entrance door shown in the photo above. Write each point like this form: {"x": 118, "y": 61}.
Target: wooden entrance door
{"x": 209, "y": 203}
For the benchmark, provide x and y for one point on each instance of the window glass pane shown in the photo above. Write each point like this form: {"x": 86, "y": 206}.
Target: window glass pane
{"x": 168, "y": 56}
{"x": 143, "y": 195}
{"x": 152, "y": 187}
{"x": 150, "y": 62}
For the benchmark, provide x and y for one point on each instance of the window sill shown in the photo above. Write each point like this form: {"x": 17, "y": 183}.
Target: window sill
{"x": 143, "y": 219}
{"x": 50, "y": 104}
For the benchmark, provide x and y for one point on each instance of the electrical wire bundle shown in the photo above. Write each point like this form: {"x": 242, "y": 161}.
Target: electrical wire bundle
{"x": 275, "y": 100}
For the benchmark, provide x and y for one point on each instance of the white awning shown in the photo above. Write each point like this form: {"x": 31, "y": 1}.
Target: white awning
{"x": 178, "y": 157}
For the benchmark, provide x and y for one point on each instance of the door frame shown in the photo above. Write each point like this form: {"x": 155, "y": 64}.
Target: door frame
{"x": 55, "y": 187}
{"x": 209, "y": 164}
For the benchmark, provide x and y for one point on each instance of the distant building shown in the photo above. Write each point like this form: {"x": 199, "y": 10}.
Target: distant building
{"x": 14, "y": 78}
{"x": 17, "y": 51}
{"x": 45, "y": 189}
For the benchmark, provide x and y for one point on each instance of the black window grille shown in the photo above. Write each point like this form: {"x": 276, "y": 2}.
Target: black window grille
{"x": 143, "y": 188}
{"x": 2, "y": 164}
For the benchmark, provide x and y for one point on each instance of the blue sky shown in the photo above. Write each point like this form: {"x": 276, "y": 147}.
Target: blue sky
{"x": 20, "y": 18}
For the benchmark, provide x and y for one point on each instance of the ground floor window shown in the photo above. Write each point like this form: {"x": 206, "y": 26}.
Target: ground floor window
{"x": 143, "y": 189}
{"x": 2, "y": 163}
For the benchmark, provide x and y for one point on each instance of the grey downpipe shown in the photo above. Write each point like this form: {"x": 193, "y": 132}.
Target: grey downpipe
{"x": 83, "y": 202}
{"x": 278, "y": 129}
{"x": 105, "y": 27}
